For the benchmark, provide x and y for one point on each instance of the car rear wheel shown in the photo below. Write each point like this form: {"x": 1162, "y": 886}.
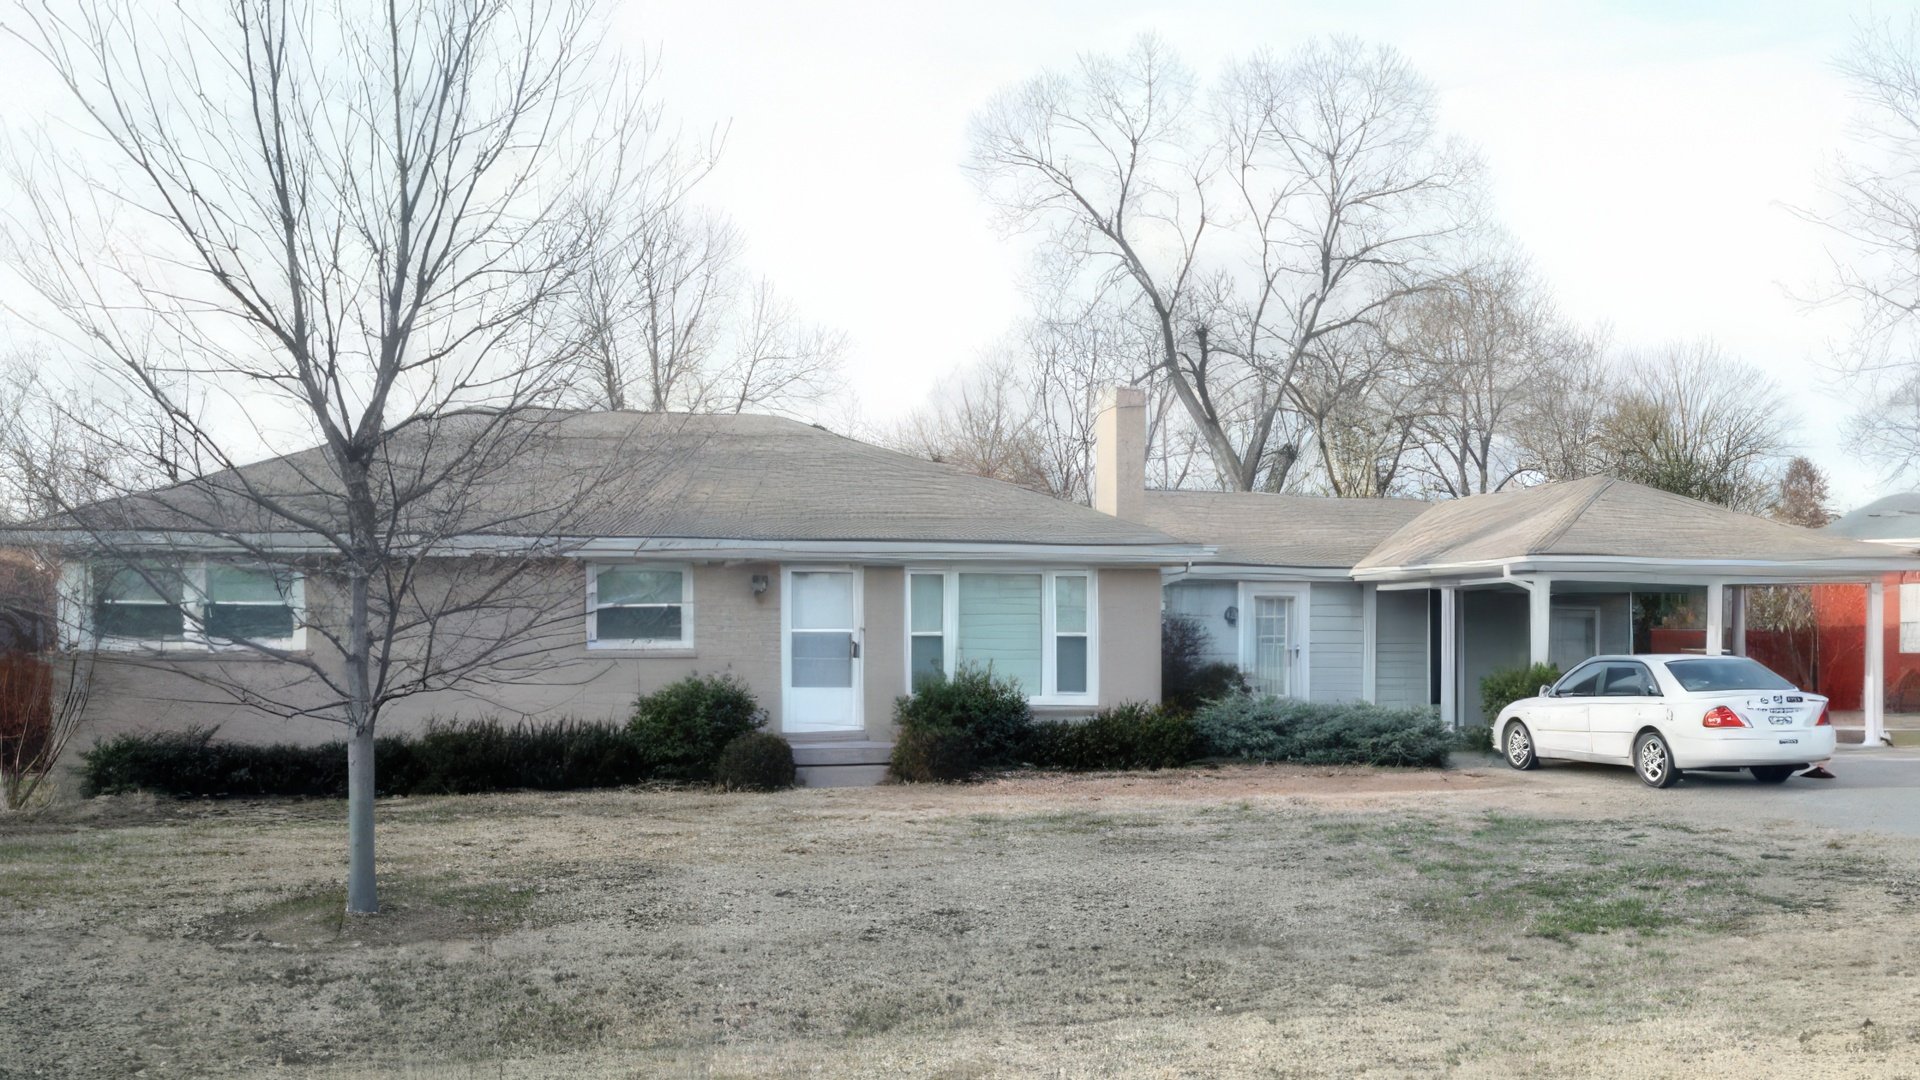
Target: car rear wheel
{"x": 1654, "y": 761}
{"x": 1772, "y": 774}
{"x": 1518, "y": 747}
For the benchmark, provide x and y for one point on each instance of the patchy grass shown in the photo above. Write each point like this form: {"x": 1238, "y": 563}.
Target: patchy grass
{"x": 1559, "y": 879}
{"x": 1013, "y": 928}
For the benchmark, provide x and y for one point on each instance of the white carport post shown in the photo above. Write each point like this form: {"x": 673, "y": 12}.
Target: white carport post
{"x": 1539, "y": 619}
{"x": 1873, "y": 693}
{"x": 1739, "y": 598}
{"x": 1449, "y": 658}
{"x": 1716, "y": 617}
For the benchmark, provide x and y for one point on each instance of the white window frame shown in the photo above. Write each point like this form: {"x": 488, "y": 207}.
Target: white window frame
{"x": 1909, "y": 615}
{"x": 1299, "y": 637}
{"x": 950, "y": 625}
{"x": 194, "y": 638}
{"x": 686, "y": 639}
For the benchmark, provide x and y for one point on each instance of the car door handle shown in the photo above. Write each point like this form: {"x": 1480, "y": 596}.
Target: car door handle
{"x": 853, "y": 648}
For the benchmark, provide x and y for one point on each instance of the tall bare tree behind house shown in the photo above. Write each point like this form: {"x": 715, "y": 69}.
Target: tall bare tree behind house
{"x": 1243, "y": 227}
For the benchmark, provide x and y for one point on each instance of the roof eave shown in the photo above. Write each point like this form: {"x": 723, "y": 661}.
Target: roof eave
{"x": 1841, "y": 568}
{"x": 901, "y": 552}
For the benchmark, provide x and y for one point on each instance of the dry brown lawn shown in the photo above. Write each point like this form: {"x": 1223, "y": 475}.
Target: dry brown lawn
{"x": 1245, "y": 921}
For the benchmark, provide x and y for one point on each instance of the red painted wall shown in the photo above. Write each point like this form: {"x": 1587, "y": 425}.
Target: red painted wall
{"x": 1792, "y": 655}
{"x": 1840, "y": 615}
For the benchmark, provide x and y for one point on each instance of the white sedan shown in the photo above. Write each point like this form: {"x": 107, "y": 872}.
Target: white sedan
{"x": 1669, "y": 713}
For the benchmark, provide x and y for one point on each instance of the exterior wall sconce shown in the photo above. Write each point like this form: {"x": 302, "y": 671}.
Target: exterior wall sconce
{"x": 759, "y": 584}
{"x": 1232, "y": 615}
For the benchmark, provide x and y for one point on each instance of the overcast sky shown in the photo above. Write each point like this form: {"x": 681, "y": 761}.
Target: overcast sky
{"x": 1644, "y": 154}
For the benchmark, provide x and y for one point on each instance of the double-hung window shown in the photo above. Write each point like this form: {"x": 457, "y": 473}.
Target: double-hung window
{"x": 246, "y": 603}
{"x": 140, "y": 603}
{"x": 1034, "y": 627}
{"x": 639, "y": 606}
{"x": 197, "y": 605}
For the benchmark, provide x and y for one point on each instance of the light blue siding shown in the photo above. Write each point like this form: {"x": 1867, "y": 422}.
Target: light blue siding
{"x": 1400, "y": 635}
{"x": 1335, "y": 642}
{"x": 1206, "y": 603}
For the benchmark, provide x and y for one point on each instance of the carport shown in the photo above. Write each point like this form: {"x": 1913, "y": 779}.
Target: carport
{"x": 1542, "y": 574}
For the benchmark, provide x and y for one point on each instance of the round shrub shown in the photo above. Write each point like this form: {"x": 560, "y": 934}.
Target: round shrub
{"x": 683, "y": 726}
{"x": 992, "y": 713}
{"x": 756, "y": 761}
{"x": 932, "y": 756}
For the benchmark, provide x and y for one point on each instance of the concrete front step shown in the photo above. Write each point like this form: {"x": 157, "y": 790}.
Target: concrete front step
{"x": 841, "y": 752}
{"x": 841, "y": 762}
{"x": 840, "y": 775}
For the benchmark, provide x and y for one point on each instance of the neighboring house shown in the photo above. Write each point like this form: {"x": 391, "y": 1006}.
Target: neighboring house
{"x": 824, "y": 572}
{"x": 1405, "y": 602}
{"x": 1840, "y": 611}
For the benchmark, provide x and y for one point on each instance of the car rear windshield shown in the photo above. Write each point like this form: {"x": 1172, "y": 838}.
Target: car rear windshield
{"x": 1725, "y": 673}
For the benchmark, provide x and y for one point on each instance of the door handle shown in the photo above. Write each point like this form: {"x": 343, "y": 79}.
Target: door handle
{"x": 853, "y": 648}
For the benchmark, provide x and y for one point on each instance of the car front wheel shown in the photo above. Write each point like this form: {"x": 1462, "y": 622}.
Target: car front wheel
{"x": 1519, "y": 747}
{"x": 1654, "y": 761}
{"x": 1772, "y": 774}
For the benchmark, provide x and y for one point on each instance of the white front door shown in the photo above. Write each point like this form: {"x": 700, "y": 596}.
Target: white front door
{"x": 821, "y": 651}
{"x": 1271, "y": 646}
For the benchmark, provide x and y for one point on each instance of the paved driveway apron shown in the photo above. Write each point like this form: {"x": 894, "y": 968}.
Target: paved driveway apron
{"x": 1877, "y": 791}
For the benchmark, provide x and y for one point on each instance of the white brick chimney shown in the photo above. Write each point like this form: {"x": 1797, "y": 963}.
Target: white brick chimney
{"x": 1120, "y": 453}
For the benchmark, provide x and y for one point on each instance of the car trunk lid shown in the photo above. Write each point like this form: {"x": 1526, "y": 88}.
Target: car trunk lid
{"x": 1769, "y": 709}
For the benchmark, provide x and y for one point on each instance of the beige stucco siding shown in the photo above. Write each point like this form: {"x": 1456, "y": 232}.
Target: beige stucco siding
{"x": 1129, "y": 636}
{"x": 883, "y": 648}
{"x": 736, "y": 631}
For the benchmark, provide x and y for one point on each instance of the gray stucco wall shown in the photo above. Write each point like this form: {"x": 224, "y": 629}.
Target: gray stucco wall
{"x": 1335, "y": 642}
{"x": 1401, "y": 658}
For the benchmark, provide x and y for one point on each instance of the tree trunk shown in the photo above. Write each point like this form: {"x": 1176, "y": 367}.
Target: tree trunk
{"x": 362, "y": 899}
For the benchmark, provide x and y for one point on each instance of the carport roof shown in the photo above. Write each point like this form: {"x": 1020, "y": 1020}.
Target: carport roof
{"x": 1598, "y": 522}
{"x": 1893, "y": 519}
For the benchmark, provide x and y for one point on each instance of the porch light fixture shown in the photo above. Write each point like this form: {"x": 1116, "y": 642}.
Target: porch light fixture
{"x": 759, "y": 584}
{"x": 1232, "y": 615}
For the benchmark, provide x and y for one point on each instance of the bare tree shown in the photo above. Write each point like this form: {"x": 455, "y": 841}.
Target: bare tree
{"x": 355, "y": 226}
{"x": 1690, "y": 420}
{"x": 1363, "y": 402}
{"x": 1309, "y": 192}
{"x": 982, "y": 423}
{"x": 666, "y": 316}
{"x": 1877, "y": 191}
{"x": 1487, "y": 347}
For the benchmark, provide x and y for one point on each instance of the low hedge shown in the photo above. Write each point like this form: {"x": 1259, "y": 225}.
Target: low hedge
{"x": 1129, "y": 736}
{"x": 756, "y": 761}
{"x": 1283, "y": 729}
{"x": 924, "y": 755}
{"x": 446, "y": 759}
{"x": 1502, "y": 688}
{"x": 685, "y": 725}
{"x": 990, "y": 714}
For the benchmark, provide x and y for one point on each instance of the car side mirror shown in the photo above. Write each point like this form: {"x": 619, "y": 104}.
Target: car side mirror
{"x": 1653, "y": 691}
{"x": 1545, "y": 690}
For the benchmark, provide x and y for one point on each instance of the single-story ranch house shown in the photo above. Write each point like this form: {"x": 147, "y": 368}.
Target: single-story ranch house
{"x": 829, "y": 574}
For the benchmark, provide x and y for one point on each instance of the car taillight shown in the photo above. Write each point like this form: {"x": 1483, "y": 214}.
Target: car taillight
{"x": 1721, "y": 716}
{"x": 1825, "y": 720}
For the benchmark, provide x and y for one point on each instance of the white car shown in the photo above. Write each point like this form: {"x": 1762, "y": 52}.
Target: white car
{"x": 1666, "y": 714}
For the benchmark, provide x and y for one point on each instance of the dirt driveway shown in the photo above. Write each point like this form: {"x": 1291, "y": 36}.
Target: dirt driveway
{"x": 1243, "y": 921}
